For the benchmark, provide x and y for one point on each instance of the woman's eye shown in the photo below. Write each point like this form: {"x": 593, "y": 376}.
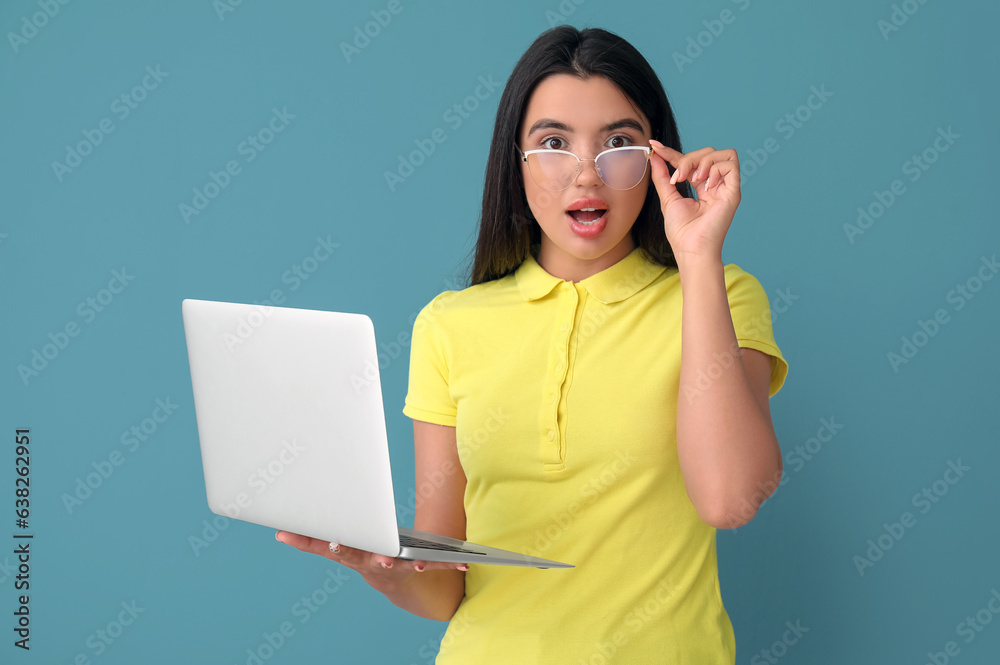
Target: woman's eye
{"x": 618, "y": 141}
{"x": 548, "y": 143}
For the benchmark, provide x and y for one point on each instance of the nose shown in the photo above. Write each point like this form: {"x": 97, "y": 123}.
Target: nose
{"x": 588, "y": 176}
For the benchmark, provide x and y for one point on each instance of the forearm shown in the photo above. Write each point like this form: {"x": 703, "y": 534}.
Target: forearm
{"x": 725, "y": 441}
{"x": 432, "y": 594}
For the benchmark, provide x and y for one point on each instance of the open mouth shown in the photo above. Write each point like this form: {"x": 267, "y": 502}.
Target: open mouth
{"x": 587, "y": 216}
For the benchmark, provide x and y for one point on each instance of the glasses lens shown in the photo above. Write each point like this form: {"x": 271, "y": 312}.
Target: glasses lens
{"x": 552, "y": 171}
{"x": 622, "y": 168}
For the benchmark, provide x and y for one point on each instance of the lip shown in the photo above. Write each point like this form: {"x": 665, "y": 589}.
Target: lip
{"x": 599, "y": 204}
{"x": 588, "y": 232}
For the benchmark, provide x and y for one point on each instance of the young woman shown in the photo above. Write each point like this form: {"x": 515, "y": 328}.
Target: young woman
{"x": 553, "y": 401}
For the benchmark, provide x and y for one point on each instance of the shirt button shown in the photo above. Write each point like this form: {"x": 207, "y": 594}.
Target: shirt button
{"x": 552, "y": 435}
{"x": 559, "y": 367}
{"x": 563, "y": 327}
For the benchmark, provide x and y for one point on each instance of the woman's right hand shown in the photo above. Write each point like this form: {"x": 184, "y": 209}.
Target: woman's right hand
{"x": 438, "y": 593}
{"x": 383, "y": 573}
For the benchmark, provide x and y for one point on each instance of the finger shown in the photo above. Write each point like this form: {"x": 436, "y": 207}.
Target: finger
{"x": 665, "y": 151}
{"x": 346, "y": 555}
{"x": 704, "y": 166}
{"x": 667, "y": 156}
{"x": 683, "y": 172}
{"x": 706, "y": 161}
{"x": 691, "y": 168}
{"x": 303, "y": 543}
{"x": 663, "y": 182}
{"x": 715, "y": 156}
{"x": 383, "y": 562}
{"x": 421, "y": 566}
{"x": 724, "y": 173}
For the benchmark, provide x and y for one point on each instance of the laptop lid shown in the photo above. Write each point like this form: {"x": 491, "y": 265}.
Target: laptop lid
{"x": 290, "y": 420}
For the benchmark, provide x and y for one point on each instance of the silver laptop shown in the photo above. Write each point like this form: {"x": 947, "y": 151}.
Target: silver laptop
{"x": 291, "y": 423}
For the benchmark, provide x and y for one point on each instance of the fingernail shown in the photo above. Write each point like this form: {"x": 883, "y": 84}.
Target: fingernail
{"x": 335, "y": 548}
{"x": 655, "y": 141}
{"x": 419, "y": 569}
{"x": 464, "y": 566}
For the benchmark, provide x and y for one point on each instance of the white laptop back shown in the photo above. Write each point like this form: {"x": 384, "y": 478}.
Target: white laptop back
{"x": 292, "y": 428}
{"x": 263, "y": 424}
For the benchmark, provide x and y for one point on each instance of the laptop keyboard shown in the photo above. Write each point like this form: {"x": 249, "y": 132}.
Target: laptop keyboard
{"x": 410, "y": 541}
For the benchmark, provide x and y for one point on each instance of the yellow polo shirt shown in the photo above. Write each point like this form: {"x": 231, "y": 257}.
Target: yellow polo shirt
{"x": 564, "y": 398}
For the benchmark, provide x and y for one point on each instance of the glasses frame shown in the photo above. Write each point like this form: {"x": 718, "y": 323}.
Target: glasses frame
{"x": 646, "y": 149}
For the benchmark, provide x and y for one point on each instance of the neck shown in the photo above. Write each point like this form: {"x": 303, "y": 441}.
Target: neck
{"x": 574, "y": 268}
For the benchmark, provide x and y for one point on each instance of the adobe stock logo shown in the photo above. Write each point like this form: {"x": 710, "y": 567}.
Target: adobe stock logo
{"x": 122, "y": 106}
{"x": 925, "y": 500}
{"x": 87, "y": 310}
{"x": 250, "y": 148}
{"x": 362, "y": 39}
{"x": 303, "y": 610}
{"x": 648, "y": 609}
{"x": 589, "y": 493}
{"x": 223, "y": 7}
{"x": 261, "y": 479}
{"x": 701, "y": 42}
{"x": 787, "y": 126}
{"x": 561, "y": 14}
{"x": 101, "y": 640}
{"x": 969, "y": 628}
{"x": 455, "y": 115}
{"x": 914, "y": 167}
{"x": 779, "y": 648}
{"x": 959, "y": 297}
{"x": 37, "y": 21}
{"x": 131, "y": 439}
{"x": 899, "y": 17}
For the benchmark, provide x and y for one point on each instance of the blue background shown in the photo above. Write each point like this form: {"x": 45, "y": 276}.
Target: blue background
{"x": 854, "y": 296}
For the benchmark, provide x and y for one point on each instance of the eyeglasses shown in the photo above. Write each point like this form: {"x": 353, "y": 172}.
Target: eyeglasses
{"x": 619, "y": 168}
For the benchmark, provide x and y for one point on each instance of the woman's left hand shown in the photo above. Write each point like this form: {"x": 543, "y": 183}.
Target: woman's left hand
{"x": 697, "y": 227}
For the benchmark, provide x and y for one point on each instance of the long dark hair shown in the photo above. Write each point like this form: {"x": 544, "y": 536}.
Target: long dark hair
{"x": 507, "y": 229}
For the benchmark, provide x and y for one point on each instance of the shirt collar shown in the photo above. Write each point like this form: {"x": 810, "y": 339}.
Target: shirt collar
{"x": 618, "y": 282}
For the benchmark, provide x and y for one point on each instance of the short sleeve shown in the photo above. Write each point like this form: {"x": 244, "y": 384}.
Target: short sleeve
{"x": 752, "y": 321}
{"x": 428, "y": 397}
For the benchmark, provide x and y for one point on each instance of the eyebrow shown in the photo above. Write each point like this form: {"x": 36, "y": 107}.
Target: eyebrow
{"x": 549, "y": 123}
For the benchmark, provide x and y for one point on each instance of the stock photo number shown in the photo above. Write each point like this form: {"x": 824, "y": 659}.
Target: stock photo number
{"x": 22, "y": 511}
